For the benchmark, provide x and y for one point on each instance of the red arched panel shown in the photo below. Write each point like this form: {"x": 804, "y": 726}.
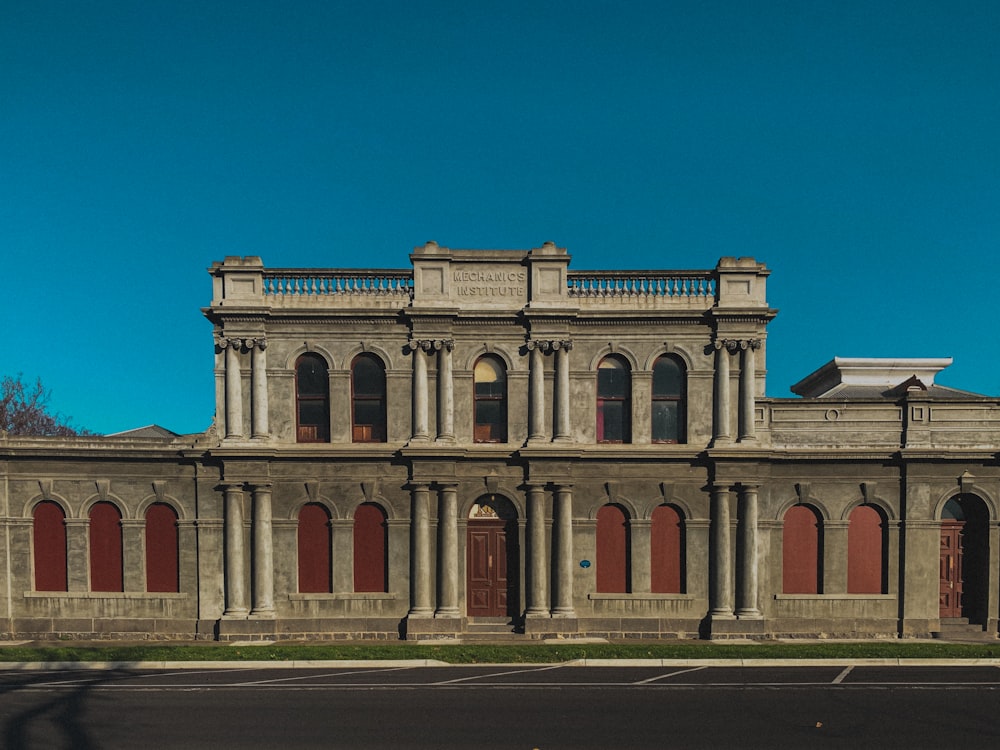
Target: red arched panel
{"x": 865, "y": 540}
{"x": 105, "y": 548}
{"x": 314, "y": 548}
{"x": 162, "y": 569}
{"x": 800, "y": 564}
{"x": 666, "y": 550}
{"x": 612, "y": 550}
{"x": 370, "y": 548}
{"x": 49, "y": 532}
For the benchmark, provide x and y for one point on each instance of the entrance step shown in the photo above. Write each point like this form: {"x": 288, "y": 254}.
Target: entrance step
{"x": 960, "y": 629}
{"x": 491, "y": 626}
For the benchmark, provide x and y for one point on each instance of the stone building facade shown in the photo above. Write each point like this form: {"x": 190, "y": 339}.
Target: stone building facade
{"x": 489, "y": 441}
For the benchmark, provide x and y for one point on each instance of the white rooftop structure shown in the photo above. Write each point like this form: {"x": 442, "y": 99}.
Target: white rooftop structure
{"x": 843, "y": 373}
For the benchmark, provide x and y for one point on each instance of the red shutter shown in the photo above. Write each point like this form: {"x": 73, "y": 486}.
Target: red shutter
{"x": 666, "y": 548}
{"x": 49, "y": 534}
{"x": 369, "y": 548}
{"x": 162, "y": 572}
{"x": 612, "y": 550}
{"x": 315, "y": 569}
{"x": 864, "y": 551}
{"x": 800, "y": 551}
{"x": 105, "y": 548}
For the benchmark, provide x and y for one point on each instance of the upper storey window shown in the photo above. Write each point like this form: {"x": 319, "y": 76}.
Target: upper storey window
{"x": 490, "y": 378}
{"x": 368, "y": 399}
{"x": 614, "y": 401}
{"x": 668, "y": 401}
{"x": 312, "y": 399}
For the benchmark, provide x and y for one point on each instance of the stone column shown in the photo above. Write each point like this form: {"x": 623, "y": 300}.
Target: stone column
{"x": 641, "y": 529}
{"x": 746, "y": 605}
{"x": 721, "y": 568}
{"x": 748, "y": 399}
{"x": 721, "y": 410}
{"x": 235, "y": 562}
{"x": 419, "y": 395}
{"x": 563, "y": 433}
{"x": 420, "y": 552}
{"x": 258, "y": 392}
{"x": 536, "y": 396}
{"x": 263, "y": 553}
{"x": 538, "y": 605}
{"x": 447, "y": 551}
{"x": 562, "y": 544}
{"x": 234, "y": 388}
{"x": 446, "y": 392}
{"x": 133, "y": 559}
{"x": 77, "y": 554}
{"x": 342, "y": 539}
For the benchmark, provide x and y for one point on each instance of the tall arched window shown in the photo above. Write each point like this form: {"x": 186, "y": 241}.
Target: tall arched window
{"x": 490, "y": 383}
{"x": 370, "y": 548}
{"x": 312, "y": 399}
{"x": 106, "y": 572}
{"x": 669, "y": 413}
{"x": 368, "y": 399}
{"x": 866, "y": 559}
{"x": 613, "y": 550}
{"x": 162, "y": 570}
{"x": 49, "y": 538}
{"x": 614, "y": 401}
{"x": 315, "y": 549}
{"x": 666, "y": 549}
{"x": 800, "y": 551}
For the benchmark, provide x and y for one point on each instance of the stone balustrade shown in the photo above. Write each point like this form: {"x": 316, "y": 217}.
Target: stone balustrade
{"x": 641, "y": 285}
{"x": 298, "y": 282}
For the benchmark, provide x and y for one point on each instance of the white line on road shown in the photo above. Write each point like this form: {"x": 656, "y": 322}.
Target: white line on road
{"x": 318, "y": 676}
{"x": 664, "y": 676}
{"x": 496, "y": 674}
{"x": 840, "y": 677}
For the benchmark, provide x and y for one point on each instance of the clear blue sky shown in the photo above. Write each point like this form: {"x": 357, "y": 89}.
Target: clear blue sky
{"x": 854, "y": 147}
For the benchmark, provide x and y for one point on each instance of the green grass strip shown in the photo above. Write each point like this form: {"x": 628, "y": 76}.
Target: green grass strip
{"x": 493, "y": 654}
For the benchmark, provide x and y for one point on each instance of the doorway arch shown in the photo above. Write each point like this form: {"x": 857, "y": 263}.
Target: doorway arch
{"x": 965, "y": 559}
{"x": 492, "y": 562}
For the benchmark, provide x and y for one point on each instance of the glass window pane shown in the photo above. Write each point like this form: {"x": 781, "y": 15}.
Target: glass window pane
{"x": 612, "y": 379}
{"x": 312, "y": 413}
{"x": 667, "y": 377}
{"x": 614, "y": 425}
{"x": 665, "y": 420}
{"x": 368, "y": 412}
{"x": 311, "y": 377}
{"x": 368, "y": 377}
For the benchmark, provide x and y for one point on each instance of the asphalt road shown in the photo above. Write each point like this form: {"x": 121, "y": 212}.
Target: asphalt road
{"x": 522, "y": 707}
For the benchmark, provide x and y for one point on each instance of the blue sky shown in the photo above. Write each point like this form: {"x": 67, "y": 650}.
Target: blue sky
{"x": 851, "y": 146}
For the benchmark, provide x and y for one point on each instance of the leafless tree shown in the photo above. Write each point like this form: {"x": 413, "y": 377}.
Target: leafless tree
{"x": 24, "y": 410}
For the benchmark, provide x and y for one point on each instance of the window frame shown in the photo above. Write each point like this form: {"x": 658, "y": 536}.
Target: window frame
{"x": 378, "y": 431}
{"x": 490, "y": 432}
{"x": 680, "y": 398}
{"x": 625, "y": 401}
{"x": 309, "y": 432}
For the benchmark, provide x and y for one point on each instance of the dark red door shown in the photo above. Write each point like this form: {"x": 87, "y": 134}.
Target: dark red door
{"x": 951, "y": 568}
{"x": 488, "y": 588}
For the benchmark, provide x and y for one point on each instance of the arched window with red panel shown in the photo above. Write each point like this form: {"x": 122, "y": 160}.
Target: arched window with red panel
{"x": 614, "y": 401}
{"x": 613, "y": 550}
{"x": 370, "y": 549}
{"x": 489, "y": 378}
{"x": 162, "y": 559}
{"x": 666, "y": 550}
{"x": 106, "y": 572}
{"x": 49, "y": 541}
{"x": 867, "y": 569}
{"x": 315, "y": 545}
{"x": 312, "y": 399}
{"x": 800, "y": 551}
{"x": 368, "y": 421}
{"x": 669, "y": 406}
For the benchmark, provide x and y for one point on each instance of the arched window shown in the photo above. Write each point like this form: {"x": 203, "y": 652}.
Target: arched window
{"x": 866, "y": 559}
{"x": 669, "y": 397}
{"x": 368, "y": 399}
{"x": 105, "y": 548}
{"x": 614, "y": 401}
{"x": 162, "y": 571}
{"x": 490, "y": 379}
{"x": 800, "y": 551}
{"x": 370, "y": 548}
{"x": 666, "y": 548}
{"x": 314, "y": 548}
{"x": 312, "y": 399}
{"x": 613, "y": 550}
{"x": 49, "y": 537}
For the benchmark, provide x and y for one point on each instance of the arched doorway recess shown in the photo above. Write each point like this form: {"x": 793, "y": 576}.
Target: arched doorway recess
{"x": 492, "y": 559}
{"x": 964, "y": 559}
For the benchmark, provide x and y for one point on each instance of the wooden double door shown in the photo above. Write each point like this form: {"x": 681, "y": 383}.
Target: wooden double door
{"x": 492, "y": 568}
{"x": 952, "y": 578}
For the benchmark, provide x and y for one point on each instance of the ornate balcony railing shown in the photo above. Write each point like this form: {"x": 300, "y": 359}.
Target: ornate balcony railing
{"x": 638, "y": 285}
{"x": 328, "y": 282}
